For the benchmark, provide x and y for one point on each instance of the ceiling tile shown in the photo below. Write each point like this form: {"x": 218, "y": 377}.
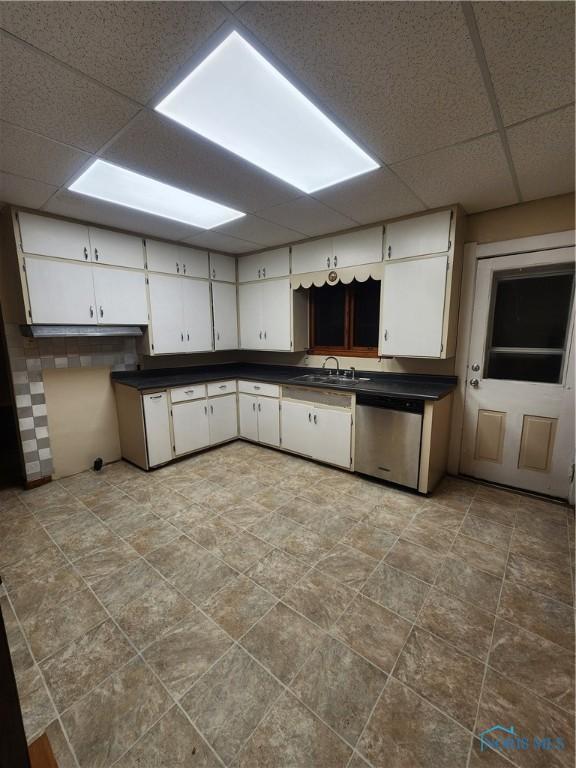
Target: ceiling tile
{"x": 257, "y": 230}
{"x": 46, "y": 97}
{"x": 308, "y": 216}
{"x": 99, "y": 212}
{"x": 131, "y": 47}
{"x": 402, "y": 76}
{"x": 530, "y": 52}
{"x": 373, "y": 197}
{"x": 474, "y": 174}
{"x": 26, "y": 192}
{"x": 27, "y": 154}
{"x": 159, "y": 147}
{"x": 543, "y": 153}
{"x": 219, "y": 242}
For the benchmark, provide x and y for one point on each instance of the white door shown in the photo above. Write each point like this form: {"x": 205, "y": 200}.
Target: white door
{"x": 418, "y": 236}
{"x": 296, "y": 427}
{"x": 157, "y": 421}
{"x": 53, "y": 237}
{"x": 412, "y": 307}
{"x": 332, "y": 434}
{"x": 190, "y": 425}
{"x": 223, "y": 415}
{"x": 361, "y": 247}
{"x": 225, "y": 314}
{"x": 248, "y": 416}
{"x": 313, "y": 257}
{"x": 166, "y": 314}
{"x": 276, "y": 314}
{"x": 269, "y": 420}
{"x": 197, "y": 315}
{"x": 60, "y": 292}
{"x": 120, "y": 296}
{"x": 250, "y": 314}
{"x": 223, "y": 267}
{"x": 519, "y": 406}
{"x": 116, "y": 248}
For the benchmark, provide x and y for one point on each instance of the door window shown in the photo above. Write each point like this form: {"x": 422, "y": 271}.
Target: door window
{"x": 528, "y": 331}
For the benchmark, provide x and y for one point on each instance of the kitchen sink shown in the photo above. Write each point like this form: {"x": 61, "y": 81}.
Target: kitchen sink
{"x": 317, "y": 378}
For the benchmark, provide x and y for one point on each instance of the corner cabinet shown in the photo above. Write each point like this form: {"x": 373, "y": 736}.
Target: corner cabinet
{"x": 272, "y": 316}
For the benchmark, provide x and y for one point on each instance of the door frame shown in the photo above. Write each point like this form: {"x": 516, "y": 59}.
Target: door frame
{"x": 473, "y": 252}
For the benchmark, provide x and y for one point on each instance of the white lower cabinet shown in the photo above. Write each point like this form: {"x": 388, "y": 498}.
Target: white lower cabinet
{"x": 324, "y": 434}
{"x": 296, "y": 426}
{"x": 259, "y": 419}
{"x": 157, "y": 422}
{"x": 223, "y": 418}
{"x": 191, "y": 428}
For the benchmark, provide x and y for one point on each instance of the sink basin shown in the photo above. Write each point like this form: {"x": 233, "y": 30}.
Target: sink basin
{"x": 317, "y": 378}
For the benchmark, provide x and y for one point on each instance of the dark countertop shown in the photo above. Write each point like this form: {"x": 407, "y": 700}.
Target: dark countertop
{"x": 398, "y": 385}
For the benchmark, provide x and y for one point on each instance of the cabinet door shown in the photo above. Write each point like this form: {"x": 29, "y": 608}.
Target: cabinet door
{"x": 332, "y": 434}
{"x": 276, "y": 313}
{"x": 190, "y": 426}
{"x": 223, "y": 415}
{"x": 313, "y": 257}
{"x": 166, "y": 314}
{"x": 176, "y": 259}
{"x": 225, "y": 314}
{"x": 120, "y": 296}
{"x": 223, "y": 267}
{"x": 249, "y": 268}
{"x": 296, "y": 427}
{"x": 250, "y": 314}
{"x": 53, "y": 237}
{"x": 412, "y": 307}
{"x": 418, "y": 236}
{"x": 116, "y": 248}
{"x": 361, "y": 247}
{"x": 60, "y": 292}
{"x": 259, "y": 266}
{"x": 248, "y": 416}
{"x": 156, "y": 418}
{"x": 269, "y": 421}
{"x": 197, "y": 315}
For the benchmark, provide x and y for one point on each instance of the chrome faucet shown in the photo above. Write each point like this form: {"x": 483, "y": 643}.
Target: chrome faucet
{"x": 331, "y": 357}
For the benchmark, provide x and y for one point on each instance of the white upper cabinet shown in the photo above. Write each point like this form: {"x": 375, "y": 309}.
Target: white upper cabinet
{"x": 265, "y": 310}
{"x": 361, "y": 247}
{"x": 225, "y": 315}
{"x": 120, "y": 296}
{"x": 250, "y": 314}
{"x": 312, "y": 257}
{"x": 412, "y": 307}
{"x": 259, "y": 266}
{"x": 223, "y": 267}
{"x": 176, "y": 259}
{"x": 53, "y": 237}
{"x": 418, "y": 236}
{"x": 166, "y": 314}
{"x": 197, "y": 315}
{"x": 116, "y": 248}
{"x": 60, "y": 293}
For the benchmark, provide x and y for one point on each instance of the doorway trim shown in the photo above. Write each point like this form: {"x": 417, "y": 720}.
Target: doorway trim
{"x": 473, "y": 252}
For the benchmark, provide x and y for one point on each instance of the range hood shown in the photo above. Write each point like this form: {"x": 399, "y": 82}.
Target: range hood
{"x": 62, "y": 331}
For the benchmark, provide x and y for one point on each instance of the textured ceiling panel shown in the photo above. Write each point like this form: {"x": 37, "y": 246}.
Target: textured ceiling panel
{"x": 28, "y": 154}
{"x": 475, "y": 174}
{"x": 19, "y": 191}
{"x": 159, "y": 147}
{"x": 44, "y": 96}
{"x": 543, "y": 153}
{"x": 373, "y": 197}
{"x": 529, "y": 47}
{"x": 216, "y": 241}
{"x": 132, "y": 47}
{"x": 88, "y": 209}
{"x": 308, "y": 216}
{"x": 256, "y": 230}
{"x": 401, "y": 76}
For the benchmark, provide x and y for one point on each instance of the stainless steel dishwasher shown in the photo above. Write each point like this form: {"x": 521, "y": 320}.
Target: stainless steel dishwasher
{"x": 388, "y": 437}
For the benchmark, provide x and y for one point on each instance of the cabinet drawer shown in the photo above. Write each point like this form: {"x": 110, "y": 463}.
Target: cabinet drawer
{"x": 258, "y": 388}
{"x": 193, "y": 392}
{"x": 221, "y": 388}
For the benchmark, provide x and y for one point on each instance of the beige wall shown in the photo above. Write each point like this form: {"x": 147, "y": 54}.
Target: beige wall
{"x": 82, "y": 418}
{"x": 537, "y": 217}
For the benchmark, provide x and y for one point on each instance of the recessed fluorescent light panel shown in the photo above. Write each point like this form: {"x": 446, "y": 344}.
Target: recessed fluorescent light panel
{"x": 114, "y": 184}
{"x": 237, "y": 99}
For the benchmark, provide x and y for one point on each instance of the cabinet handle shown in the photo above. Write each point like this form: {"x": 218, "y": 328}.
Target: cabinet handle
{"x": 211, "y": 409}
{"x": 386, "y": 335}
{"x": 86, "y": 253}
{"x": 177, "y": 268}
{"x": 222, "y": 386}
{"x": 260, "y": 407}
{"x": 328, "y": 261}
{"x": 155, "y": 397}
{"x": 259, "y": 271}
{"x": 260, "y": 334}
{"x": 187, "y": 337}
{"x": 253, "y": 406}
{"x": 315, "y": 419}
{"x": 257, "y": 387}
{"x": 96, "y": 253}
{"x": 309, "y": 417}
{"x": 205, "y": 410}
{"x": 213, "y": 273}
{"x": 217, "y": 335}
{"x": 181, "y": 337}
{"x": 184, "y": 268}
{"x": 101, "y": 311}
{"x": 91, "y": 311}
{"x": 263, "y": 271}
{"x": 389, "y": 251}
{"x": 335, "y": 261}
{"x": 188, "y": 391}
{"x": 265, "y": 335}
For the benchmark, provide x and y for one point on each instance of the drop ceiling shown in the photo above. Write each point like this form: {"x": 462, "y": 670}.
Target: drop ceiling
{"x": 470, "y": 103}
